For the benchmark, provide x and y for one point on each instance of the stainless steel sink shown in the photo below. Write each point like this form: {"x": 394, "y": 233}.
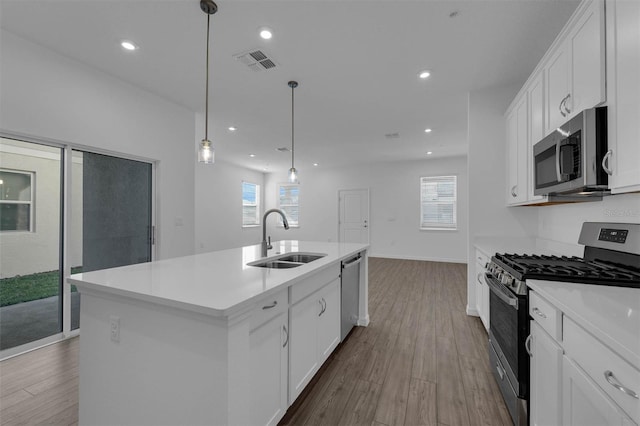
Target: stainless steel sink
{"x": 301, "y": 257}
{"x": 276, "y": 265}
{"x": 287, "y": 260}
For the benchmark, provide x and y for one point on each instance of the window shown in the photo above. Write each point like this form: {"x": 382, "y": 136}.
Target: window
{"x": 250, "y": 204}
{"x": 16, "y": 201}
{"x": 438, "y": 202}
{"x": 289, "y": 202}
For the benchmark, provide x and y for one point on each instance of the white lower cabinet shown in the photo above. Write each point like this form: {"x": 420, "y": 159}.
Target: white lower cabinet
{"x": 269, "y": 360}
{"x": 315, "y": 333}
{"x": 482, "y": 289}
{"x": 575, "y": 378}
{"x": 584, "y": 403}
{"x": 546, "y": 380}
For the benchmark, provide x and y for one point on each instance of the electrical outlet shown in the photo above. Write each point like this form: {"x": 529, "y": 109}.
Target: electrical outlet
{"x": 115, "y": 328}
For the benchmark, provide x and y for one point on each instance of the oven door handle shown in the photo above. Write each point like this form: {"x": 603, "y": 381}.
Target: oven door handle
{"x": 558, "y": 154}
{"x": 498, "y": 290}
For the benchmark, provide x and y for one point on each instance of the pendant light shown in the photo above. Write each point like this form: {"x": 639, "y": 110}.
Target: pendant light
{"x": 206, "y": 154}
{"x": 293, "y": 173}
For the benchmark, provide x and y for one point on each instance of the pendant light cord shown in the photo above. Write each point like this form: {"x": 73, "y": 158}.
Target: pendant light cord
{"x": 206, "y": 96}
{"x": 292, "y": 147}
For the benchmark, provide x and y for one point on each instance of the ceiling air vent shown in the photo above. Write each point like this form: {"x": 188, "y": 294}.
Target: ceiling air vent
{"x": 283, "y": 149}
{"x": 256, "y": 60}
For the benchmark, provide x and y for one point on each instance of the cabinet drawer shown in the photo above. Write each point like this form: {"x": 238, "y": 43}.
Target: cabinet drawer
{"x": 598, "y": 361}
{"x": 313, "y": 283}
{"x": 543, "y": 313}
{"x": 268, "y": 308}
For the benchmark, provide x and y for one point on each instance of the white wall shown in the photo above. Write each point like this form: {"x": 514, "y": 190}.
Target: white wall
{"x": 218, "y": 207}
{"x": 562, "y": 223}
{"x": 46, "y": 95}
{"x": 394, "y": 212}
{"x": 488, "y": 214}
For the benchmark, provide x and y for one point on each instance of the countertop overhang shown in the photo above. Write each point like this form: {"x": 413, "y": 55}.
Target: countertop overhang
{"x": 217, "y": 283}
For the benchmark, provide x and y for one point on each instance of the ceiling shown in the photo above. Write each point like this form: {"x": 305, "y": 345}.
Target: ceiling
{"x": 356, "y": 61}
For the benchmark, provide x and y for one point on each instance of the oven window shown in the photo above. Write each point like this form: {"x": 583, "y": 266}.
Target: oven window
{"x": 504, "y": 325}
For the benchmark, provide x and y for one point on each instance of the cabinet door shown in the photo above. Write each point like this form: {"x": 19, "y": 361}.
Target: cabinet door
{"x": 536, "y": 129}
{"x": 303, "y": 349}
{"x": 623, "y": 74}
{"x": 517, "y": 143}
{"x": 586, "y": 44}
{"x": 557, "y": 84}
{"x": 583, "y": 402}
{"x": 546, "y": 380}
{"x": 269, "y": 361}
{"x": 329, "y": 320}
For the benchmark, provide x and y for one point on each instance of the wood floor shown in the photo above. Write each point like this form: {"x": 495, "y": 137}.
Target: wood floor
{"x": 421, "y": 361}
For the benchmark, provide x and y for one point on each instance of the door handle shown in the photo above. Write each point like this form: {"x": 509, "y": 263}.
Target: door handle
{"x": 321, "y": 308}
{"x": 513, "y": 191}
{"x": 566, "y": 108}
{"x": 286, "y": 332}
{"x": 527, "y": 344}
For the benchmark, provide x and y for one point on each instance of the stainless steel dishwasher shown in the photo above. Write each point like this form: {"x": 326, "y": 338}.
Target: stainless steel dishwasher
{"x": 350, "y": 292}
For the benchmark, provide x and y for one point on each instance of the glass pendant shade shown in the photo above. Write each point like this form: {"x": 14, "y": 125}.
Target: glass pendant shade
{"x": 206, "y": 154}
{"x": 293, "y": 175}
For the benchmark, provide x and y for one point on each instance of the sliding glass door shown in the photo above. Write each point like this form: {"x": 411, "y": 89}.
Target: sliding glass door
{"x": 30, "y": 237}
{"x": 111, "y": 215}
{"x": 105, "y": 203}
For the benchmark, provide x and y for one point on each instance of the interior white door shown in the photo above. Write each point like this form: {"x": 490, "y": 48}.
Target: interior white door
{"x": 354, "y": 216}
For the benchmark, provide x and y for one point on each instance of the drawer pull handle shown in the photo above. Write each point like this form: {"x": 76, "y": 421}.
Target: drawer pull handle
{"x": 273, "y": 305}
{"x": 539, "y": 313}
{"x": 479, "y": 275}
{"x": 608, "y": 375}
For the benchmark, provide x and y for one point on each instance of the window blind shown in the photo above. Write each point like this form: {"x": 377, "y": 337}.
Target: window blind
{"x": 289, "y": 203}
{"x": 438, "y": 202}
{"x": 250, "y": 204}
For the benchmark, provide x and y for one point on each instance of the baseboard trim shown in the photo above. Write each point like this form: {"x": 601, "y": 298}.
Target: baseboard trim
{"x": 427, "y": 259}
{"x": 472, "y": 312}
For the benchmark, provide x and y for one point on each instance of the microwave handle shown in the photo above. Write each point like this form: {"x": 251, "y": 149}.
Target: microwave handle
{"x": 605, "y": 163}
{"x": 558, "y": 174}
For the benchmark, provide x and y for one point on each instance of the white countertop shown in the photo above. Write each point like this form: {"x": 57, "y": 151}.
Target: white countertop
{"x": 611, "y": 314}
{"x": 216, "y": 283}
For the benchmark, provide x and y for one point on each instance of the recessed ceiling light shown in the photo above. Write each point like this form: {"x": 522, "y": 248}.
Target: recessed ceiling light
{"x": 429, "y": 152}
{"x": 265, "y": 33}
{"x": 252, "y": 155}
{"x": 315, "y": 164}
{"x": 427, "y": 130}
{"x": 232, "y": 128}
{"x": 128, "y": 45}
{"x": 424, "y": 74}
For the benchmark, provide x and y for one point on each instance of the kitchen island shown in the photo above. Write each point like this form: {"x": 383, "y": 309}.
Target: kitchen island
{"x": 209, "y": 339}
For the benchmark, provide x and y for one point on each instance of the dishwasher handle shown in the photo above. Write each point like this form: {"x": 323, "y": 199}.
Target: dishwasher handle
{"x": 353, "y": 262}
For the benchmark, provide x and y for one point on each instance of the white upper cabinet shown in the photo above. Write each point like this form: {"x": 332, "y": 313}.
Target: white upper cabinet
{"x": 575, "y": 71}
{"x": 623, "y": 93}
{"x": 517, "y": 144}
{"x": 536, "y": 130}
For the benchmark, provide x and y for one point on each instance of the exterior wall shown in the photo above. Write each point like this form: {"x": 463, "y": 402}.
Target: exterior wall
{"x": 25, "y": 253}
{"x": 394, "y": 196}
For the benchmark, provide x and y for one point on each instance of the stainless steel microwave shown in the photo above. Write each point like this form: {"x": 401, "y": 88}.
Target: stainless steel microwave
{"x": 569, "y": 160}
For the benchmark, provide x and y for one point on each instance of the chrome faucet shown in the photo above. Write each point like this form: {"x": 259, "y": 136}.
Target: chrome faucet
{"x": 267, "y": 245}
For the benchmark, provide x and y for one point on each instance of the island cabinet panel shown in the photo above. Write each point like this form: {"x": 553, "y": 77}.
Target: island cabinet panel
{"x": 315, "y": 333}
{"x": 168, "y": 366}
{"x": 269, "y": 360}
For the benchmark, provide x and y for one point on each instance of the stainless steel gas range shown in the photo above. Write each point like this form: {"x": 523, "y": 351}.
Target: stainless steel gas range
{"x": 611, "y": 258}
